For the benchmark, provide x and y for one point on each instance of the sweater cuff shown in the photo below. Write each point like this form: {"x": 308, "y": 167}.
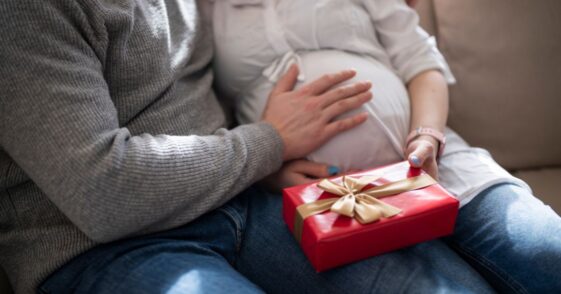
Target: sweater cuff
{"x": 264, "y": 146}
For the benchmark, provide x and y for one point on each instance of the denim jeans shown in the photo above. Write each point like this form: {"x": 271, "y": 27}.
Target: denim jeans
{"x": 505, "y": 238}
{"x": 512, "y": 239}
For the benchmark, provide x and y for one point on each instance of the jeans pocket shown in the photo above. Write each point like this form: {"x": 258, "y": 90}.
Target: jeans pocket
{"x": 236, "y": 211}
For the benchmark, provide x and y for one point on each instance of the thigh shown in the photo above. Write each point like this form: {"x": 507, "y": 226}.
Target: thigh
{"x": 195, "y": 258}
{"x": 513, "y": 239}
{"x": 271, "y": 258}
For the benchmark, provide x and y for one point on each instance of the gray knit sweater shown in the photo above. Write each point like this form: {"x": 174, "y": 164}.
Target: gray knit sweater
{"x": 109, "y": 128}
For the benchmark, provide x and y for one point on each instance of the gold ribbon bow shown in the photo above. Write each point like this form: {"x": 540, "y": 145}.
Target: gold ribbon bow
{"x": 353, "y": 202}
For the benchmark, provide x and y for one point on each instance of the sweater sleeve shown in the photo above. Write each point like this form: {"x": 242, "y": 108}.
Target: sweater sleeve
{"x": 409, "y": 47}
{"x": 59, "y": 124}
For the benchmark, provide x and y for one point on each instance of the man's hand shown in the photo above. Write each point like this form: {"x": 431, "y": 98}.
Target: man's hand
{"x": 298, "y": 172}
{"x": 422, "y": 153}
{"x": 304, "y": 118}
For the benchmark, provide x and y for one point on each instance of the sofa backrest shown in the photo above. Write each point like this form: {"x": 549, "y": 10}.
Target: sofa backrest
{"x": 506, "y": 56}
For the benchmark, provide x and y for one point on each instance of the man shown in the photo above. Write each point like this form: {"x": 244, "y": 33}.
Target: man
{"x": 116, "y": 169}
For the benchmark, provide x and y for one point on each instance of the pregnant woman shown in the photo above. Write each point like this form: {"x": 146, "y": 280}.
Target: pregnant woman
{"x": 503, "y": 231}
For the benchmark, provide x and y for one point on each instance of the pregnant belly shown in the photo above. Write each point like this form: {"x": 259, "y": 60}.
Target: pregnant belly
{"x": 390, "y": 101}
{"x": 379, "y": 140}
{"x": 376, "y": 142}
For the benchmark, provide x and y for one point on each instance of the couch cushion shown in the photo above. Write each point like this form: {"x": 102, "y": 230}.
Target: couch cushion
{"x": 425, "y": 10}
{"x": 546, "y": 185}
{"x": 506, "y": 57}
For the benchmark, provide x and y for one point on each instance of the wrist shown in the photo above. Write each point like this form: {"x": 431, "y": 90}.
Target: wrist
{"x": 430, "y": 139}
{"x": 280, "y": 138}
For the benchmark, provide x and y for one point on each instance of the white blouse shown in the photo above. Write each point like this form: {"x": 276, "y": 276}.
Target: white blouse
{"x": 257, "y": 40}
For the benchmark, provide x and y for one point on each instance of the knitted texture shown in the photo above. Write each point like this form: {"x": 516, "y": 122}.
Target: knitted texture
{"x": 109, "y": 128}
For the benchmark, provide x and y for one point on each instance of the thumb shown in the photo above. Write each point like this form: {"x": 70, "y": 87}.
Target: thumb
{"x": 287, "y": 81}
{"x": 419, "y": 156}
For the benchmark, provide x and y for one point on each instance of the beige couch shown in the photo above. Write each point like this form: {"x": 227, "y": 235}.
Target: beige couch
{"x": 506, "y": 57}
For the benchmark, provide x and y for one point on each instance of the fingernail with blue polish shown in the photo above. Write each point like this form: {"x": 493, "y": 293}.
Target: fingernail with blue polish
{"x": 333, "y": 170}
{"x": 415, "y": 160}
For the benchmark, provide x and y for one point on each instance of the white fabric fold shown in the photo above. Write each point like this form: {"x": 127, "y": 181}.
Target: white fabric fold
{"x": 280, "y": 66}
{"x": 245, "y": 2}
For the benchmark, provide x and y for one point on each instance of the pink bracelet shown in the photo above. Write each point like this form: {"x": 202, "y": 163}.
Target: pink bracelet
{"x": 429, "y": 132}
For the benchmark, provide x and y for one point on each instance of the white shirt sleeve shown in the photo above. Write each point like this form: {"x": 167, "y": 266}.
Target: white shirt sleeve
{"x": 409, "y": 47}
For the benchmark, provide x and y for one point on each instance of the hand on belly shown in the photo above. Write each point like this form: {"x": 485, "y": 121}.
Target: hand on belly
{"x": 379, "y": 140}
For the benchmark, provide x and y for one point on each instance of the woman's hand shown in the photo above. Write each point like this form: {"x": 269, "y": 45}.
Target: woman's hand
{"x": 422, "y": 153}
{"x": 305, "y": 118}
{"x": 298, "y": 172}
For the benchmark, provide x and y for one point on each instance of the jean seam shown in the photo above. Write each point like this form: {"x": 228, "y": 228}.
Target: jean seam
{"x": 238, "y": 224}
{"x": 490, "y": 266}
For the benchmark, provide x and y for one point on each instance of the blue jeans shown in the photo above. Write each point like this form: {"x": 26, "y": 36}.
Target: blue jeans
{"x": 505, "y": 235}
{"x": 512, "y": 239}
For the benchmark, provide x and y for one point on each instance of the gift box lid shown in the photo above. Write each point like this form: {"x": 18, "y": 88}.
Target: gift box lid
{"x": 329, "y": 226}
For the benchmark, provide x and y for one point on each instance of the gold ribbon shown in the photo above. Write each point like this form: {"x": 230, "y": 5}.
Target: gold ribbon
{"x": 353, "y": 202}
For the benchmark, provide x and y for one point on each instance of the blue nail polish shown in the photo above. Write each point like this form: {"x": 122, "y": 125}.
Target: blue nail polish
{"x": 333, "y": 170}
{"x": 415, "y": 160}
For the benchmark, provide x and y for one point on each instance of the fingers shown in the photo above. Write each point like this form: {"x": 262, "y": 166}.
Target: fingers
{"x": 342, "y": 125}
{"x": 431, "y": 167}
{"x": 300, "y": 179}
{"x": 314, "y": 170}
{"x": 287, "y": 81}
{"x": 327, "y": 81}
{"x": 340, "y": 93}
{"x": 346, "y": 105}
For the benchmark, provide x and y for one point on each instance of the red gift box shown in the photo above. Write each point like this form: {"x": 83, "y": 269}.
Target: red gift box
{"x": 329, "y": 239}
